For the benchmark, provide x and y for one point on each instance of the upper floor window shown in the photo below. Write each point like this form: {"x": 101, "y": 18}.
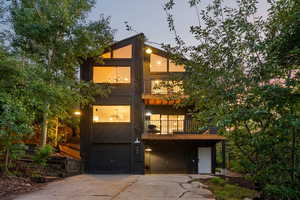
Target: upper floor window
{"x": 158, "y": 63}
{"x": 106, "y": 55}
{"x": 111, "y": 74}
{"x": 111, "y": 113}
{"x": 162, "y": 64}
{"x": 166, "y": 87}
{"x": 173, "y": 67}
{"x": 123, "y": 52}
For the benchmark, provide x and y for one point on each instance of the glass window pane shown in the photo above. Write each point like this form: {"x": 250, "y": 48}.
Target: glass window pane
{"x": 123, "y": 52}
{"x": 157, "y": 87}
{"x": 164, "y": 124}
{"x": 111, "y": 113}
{"x": 123, "y": 74}
{"x": 158, "y": 63}
{"x": 104, "y": 74}
{"x": 175, "y": 68}
{"x": 176, "y": 86}
{"x": 111, "y": 75}
{"x": 106, "y": 55}
{"x": 155, "y": 120}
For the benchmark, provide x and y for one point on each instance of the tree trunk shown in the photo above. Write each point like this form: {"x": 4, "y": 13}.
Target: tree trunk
{"x": 6, "y": 161}
{"x": 293, "y": 155}
{"x": 44, "y": 127}
{"x": 56, "y": 132}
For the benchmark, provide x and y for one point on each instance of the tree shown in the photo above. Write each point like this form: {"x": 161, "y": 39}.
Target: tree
{"x": 15, "y": 117}
{"x": 56, "y": 36}
{"x": 242, "y": 77}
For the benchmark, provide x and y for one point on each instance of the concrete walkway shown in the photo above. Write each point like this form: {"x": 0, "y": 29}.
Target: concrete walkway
{"x": 123, "y": 187}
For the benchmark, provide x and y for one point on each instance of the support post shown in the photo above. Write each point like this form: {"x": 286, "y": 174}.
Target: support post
{"x": 224, "y": 157}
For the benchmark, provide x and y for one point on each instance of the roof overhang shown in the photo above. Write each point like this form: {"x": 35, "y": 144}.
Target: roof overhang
{"x": 151, "y": 136}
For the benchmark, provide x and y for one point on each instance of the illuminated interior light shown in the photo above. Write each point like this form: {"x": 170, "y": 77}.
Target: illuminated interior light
{"x": 96, "y": 118}
{"x": 148, "y": 113}
{"x": 158, "y": 62}
{"x": 148, "y": 51}
{"x": 148, "y": 149}
{"x": 77, "y": 113}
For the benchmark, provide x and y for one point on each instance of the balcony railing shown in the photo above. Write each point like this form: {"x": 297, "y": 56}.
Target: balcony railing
{"x": 173, "y": 127}
{"x": 158, "y": 87}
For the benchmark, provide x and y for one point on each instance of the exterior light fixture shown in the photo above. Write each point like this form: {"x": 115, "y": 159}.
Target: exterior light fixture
{"x": 137, "y": 141}
{"x": 148, "y": 149}
{"x": 148, "y": 114}
{"x": 148, "y": 51}
{"x": 77, "y": 113}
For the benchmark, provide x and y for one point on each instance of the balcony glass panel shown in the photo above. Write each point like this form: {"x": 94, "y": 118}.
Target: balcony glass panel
{"x": 157, "y": 87}
{"x": 166, "y": 87}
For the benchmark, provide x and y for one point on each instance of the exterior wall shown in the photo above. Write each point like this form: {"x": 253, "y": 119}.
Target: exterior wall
{"x": 109, "y": 147}
{"x": 175, "y": 156}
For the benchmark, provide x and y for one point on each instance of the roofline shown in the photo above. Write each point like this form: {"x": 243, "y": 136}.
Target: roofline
{"x": 129, "y": 38}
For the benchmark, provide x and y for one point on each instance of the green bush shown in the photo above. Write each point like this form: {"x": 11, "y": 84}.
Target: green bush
{"x": 280, "y": 192}
{"x": 42, "y": 155}
{"x": 217, "y": 181}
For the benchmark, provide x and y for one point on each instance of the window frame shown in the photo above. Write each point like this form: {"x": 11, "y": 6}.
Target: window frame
{"x": 168, "y": 121}
{"x": 168, "y": 92}
{"x": 111, "y": 49}
{"x": 116, "y": 66}
{"x": 168, "y": 65}
{"x": 112, "y": 122}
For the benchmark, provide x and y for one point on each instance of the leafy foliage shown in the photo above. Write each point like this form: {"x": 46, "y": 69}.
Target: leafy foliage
{"x": 42, "y": 155}
{"x": 57, "y": 38}
{"x": 243, "y": 77}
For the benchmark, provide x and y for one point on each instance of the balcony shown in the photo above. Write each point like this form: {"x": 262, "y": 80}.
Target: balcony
{"x": 178, "y": 130}
{"x": 173, "y": 127}
{"x": 158, "y": 92}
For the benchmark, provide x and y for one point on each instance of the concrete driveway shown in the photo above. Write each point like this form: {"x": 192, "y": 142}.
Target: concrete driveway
{"x": 122, "y": 187}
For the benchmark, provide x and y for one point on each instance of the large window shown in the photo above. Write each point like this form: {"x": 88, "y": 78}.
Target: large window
{"x": 158, "y": 63}
{"x": 111, "y": 75}
{"x": 106, "y": 55}
{"x": 123, "y": 52}
{"x": 166, "y": 87}
{"x": 162, "y": 64}
{"x": 173, "y": 67}
{"x": 167, "y": 124}
{"x": 111, "y": 113}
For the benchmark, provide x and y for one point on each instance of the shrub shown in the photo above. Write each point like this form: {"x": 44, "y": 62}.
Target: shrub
{"x": 280, "y": 192}
{"x": 42, "y": 155}
{"x": 217, "y": 181}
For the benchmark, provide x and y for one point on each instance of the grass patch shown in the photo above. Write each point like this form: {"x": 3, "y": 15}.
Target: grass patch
{"x": 223, "y": 190}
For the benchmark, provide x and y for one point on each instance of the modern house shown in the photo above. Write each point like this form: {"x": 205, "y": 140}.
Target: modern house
{"x": 137, "y": 129}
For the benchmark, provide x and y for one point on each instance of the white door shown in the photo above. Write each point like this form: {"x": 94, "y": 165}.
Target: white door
{"x": 204, "y": 160}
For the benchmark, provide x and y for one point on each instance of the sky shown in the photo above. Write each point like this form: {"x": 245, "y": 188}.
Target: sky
{"x": 148, "y": 16}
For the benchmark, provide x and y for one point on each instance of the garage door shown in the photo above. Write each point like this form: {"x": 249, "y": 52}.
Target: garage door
{"x": 110, "y": 158}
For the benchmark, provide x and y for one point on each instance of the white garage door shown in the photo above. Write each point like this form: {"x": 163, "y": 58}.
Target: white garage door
{"x": 204, "y": 162}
